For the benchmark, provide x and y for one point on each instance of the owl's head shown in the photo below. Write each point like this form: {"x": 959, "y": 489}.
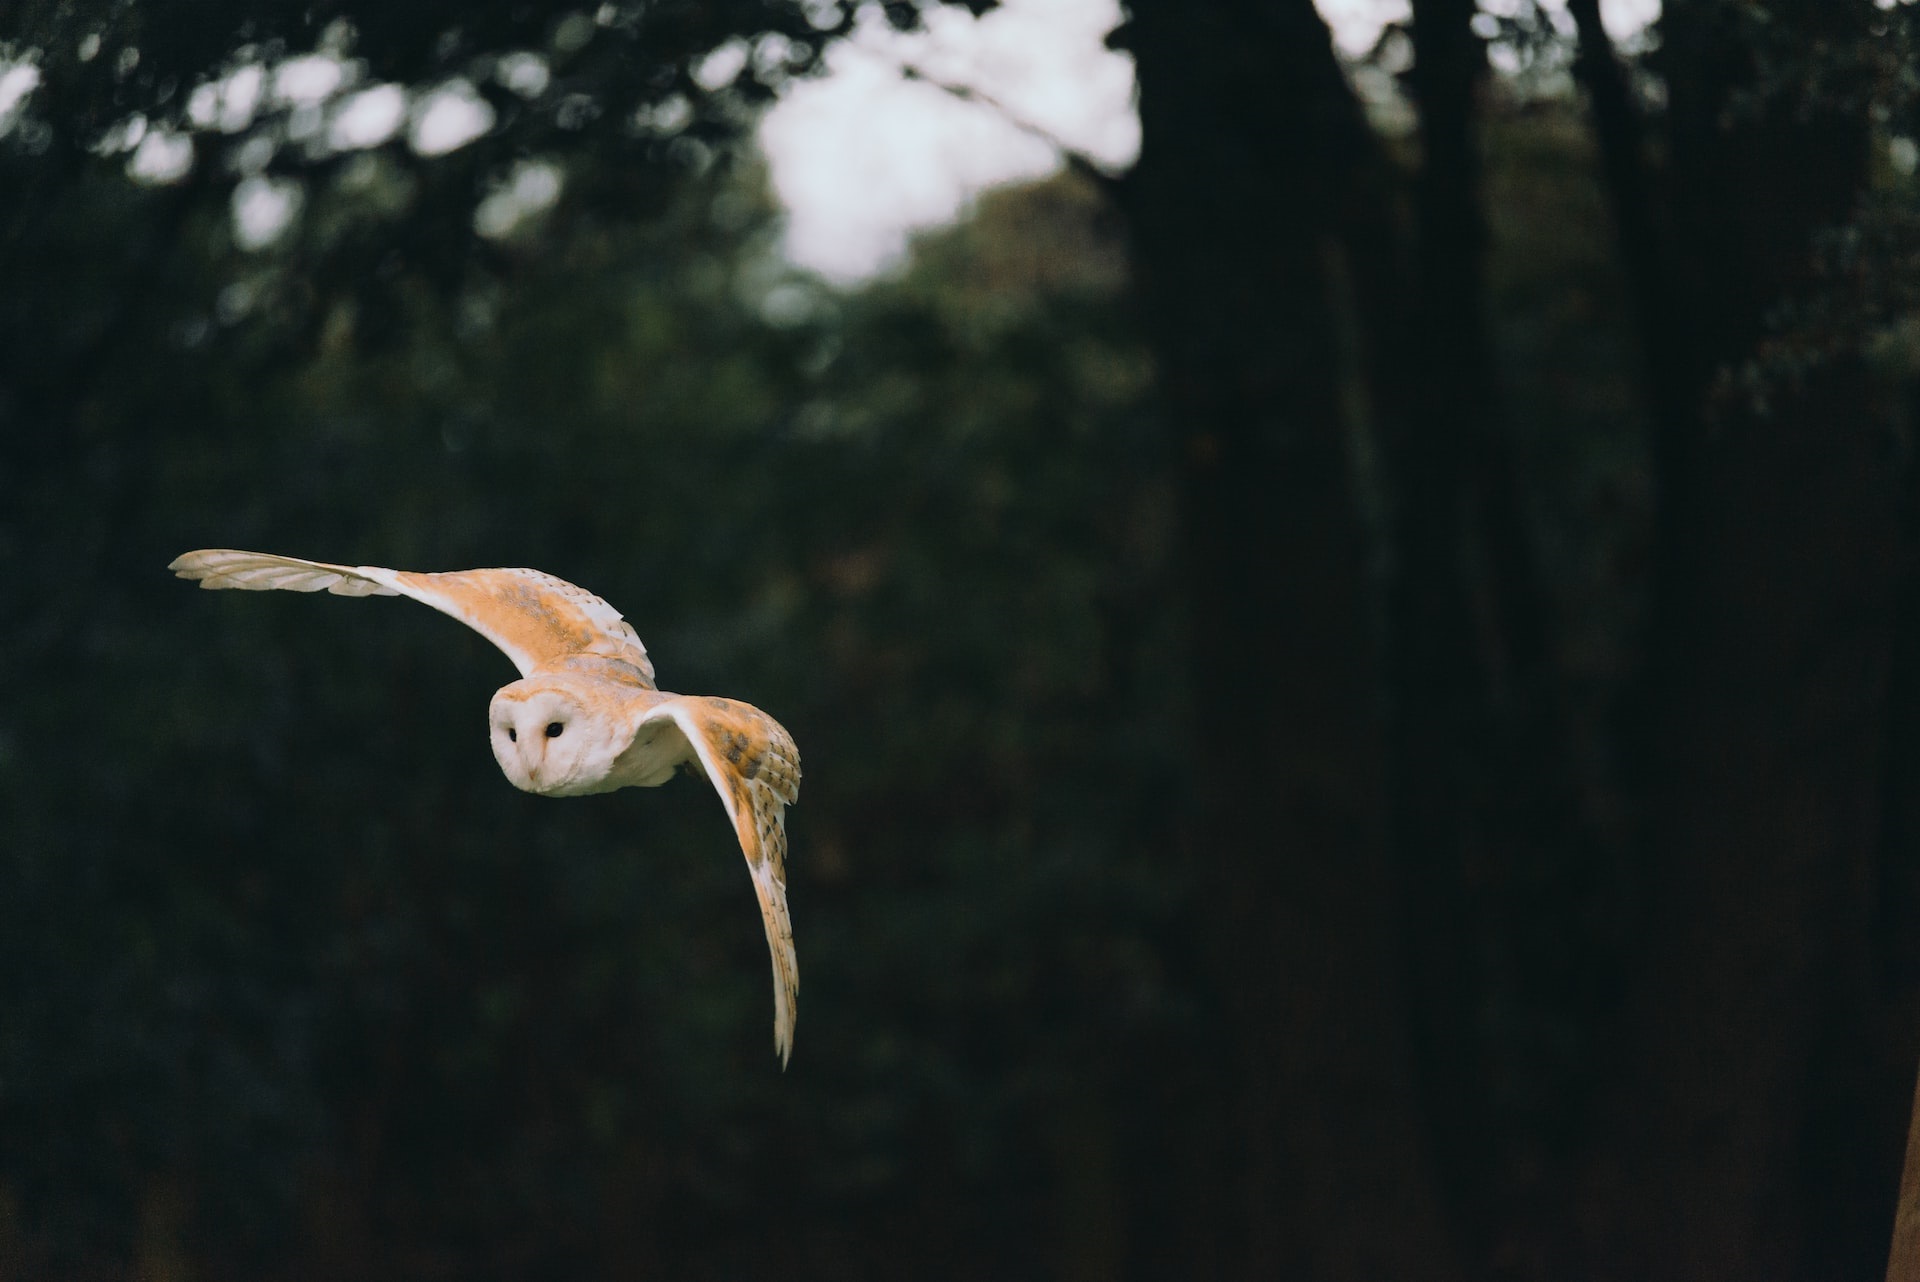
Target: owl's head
{"x": 551, "y": 738}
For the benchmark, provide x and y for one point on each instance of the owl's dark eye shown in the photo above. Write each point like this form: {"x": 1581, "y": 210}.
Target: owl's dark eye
{"x": 512, "y": 736}
{"x": 553, "y": 729}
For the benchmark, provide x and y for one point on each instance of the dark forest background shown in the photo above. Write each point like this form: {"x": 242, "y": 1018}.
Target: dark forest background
{"x": 1359, "y": 680}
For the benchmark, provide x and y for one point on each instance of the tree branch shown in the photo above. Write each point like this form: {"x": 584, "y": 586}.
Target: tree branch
{"x": 1080, "y": 162}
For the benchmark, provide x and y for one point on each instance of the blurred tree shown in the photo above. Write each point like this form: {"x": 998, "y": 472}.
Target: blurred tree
{"x": 1763, "y": 714}
{"x": 1251, "y": 142}
{"x": 1740, "y": 989}
{"x": 416, "y": 126}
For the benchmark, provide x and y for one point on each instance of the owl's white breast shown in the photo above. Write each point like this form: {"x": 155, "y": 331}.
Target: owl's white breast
{"x": 657, "y": 750}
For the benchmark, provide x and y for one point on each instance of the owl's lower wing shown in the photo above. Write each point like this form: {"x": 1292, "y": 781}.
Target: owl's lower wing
{"x": 755, "y": 768}
{"x": 535, "y": 619}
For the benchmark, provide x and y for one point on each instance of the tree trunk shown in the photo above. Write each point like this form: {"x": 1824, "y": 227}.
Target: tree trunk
{"x": 1896, "y": 950}
{"x": 1440, "y": 699}
{"x": 1762, "y": 711}
{"x": 1250, "y": 136}
{"x": 1903, "y": 1259}
{"x": 1656, "y": 278}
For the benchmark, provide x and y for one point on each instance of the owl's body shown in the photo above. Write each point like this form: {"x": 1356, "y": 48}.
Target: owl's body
{"x": 585, "y": 716}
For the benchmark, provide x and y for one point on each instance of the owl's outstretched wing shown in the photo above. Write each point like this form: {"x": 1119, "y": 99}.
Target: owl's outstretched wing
{"x": 536, "y": 619}
{"x": 756, "y": 770}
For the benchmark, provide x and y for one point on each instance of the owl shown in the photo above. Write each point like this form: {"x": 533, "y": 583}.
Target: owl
{"x": 585, "y": 715}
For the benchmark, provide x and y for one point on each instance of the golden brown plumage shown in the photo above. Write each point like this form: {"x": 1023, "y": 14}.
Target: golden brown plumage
{"x": 585, "y": 715}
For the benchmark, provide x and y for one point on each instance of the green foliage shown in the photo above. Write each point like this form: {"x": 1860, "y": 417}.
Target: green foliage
{"x": 291, "y": 960}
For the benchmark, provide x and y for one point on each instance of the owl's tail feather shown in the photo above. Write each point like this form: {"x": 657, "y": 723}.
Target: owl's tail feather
{"x": 260, "y": 571}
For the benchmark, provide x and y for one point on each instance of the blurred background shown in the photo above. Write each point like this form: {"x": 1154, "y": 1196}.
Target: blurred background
{"x": 1345, "y": 579}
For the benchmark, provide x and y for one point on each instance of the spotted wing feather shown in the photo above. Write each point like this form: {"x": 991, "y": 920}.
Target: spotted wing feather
{"x": 755, "y": 768}
{"x": 539, "y": 621}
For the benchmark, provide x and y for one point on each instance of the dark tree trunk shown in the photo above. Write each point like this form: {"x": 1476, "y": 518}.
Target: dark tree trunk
{"x": 1896, "y": 949}
{"x": 1903, "y": 1258}
{"x": 1315, "y": 1148}
{"x": 1762, "y": 716}
{"x": 1761, "y": 809}
{"x": 1657, "y": 279}
{"x": 1438, "y": 677}
{"x": 1482, "y": 795}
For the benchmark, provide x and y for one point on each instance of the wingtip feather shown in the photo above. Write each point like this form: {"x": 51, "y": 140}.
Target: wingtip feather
{"x": 263, "y": 571}
{"x": 772, "y": 894}
{"x": 783, "y": 1014}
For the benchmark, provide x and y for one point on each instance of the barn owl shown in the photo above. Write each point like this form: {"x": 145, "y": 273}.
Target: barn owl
{"x": 585, "y": 715}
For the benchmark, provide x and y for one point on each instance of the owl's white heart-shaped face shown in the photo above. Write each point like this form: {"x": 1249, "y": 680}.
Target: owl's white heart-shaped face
{"x": 548, "y": 740}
